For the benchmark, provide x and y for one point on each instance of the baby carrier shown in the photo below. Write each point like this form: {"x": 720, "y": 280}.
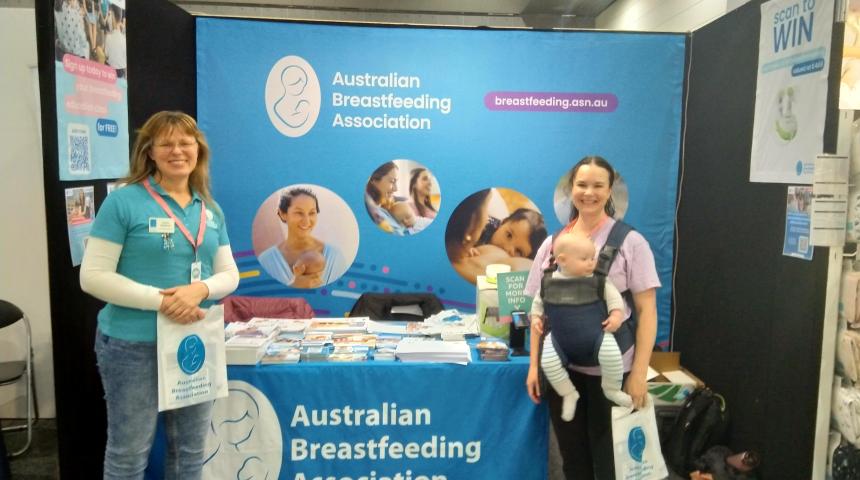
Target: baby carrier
{"x": 575, "y": 307}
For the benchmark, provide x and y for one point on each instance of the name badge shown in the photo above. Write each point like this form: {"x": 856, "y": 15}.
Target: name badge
{"x": 196, "y": 271}
{"x": 161, "y": 225}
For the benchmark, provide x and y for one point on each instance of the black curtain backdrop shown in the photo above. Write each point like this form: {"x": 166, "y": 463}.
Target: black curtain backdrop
{"x": 748, "y": 320}
{"x": 161, "y": 75}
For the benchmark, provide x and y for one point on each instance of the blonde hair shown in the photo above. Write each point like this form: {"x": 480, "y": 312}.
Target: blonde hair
{"x": 163, "y": 123}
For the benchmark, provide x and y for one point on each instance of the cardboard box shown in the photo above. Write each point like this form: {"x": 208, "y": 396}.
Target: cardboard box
{"x": 674, "y": 391}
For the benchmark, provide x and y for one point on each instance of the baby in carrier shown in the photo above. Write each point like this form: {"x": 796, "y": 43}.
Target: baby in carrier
{"x": 580, "y": 307}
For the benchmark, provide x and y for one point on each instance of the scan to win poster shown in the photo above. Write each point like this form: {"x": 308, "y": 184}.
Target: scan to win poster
{"x": 355, "y": 159}
{"x": 91, "y": 89}
{"x": 791, "y": 92}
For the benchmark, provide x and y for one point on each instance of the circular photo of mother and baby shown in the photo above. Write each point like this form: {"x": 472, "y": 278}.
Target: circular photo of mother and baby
{"x": 305, "y": 236}
{"x": 402, "y": 197}
{"x": 493, "y": 226}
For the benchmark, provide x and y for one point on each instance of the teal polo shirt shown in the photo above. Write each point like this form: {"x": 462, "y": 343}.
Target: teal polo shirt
{"x": 124, "y": 219}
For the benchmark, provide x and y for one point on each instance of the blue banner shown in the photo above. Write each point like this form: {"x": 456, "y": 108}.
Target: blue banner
{"x": 351, "y": 159}
{"x": 375, "y": 421}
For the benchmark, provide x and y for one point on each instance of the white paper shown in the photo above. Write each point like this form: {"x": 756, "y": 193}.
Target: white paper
{"x": 679, "y": 377}
{"x": 652, "y": 374}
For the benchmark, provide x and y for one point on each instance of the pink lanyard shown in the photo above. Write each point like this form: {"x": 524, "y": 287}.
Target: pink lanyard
{"x": 202, "y": 230}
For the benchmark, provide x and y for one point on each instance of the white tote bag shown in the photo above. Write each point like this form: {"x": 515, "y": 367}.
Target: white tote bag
{"x": 192, "y": 367}
{"x": 636, "y": 444}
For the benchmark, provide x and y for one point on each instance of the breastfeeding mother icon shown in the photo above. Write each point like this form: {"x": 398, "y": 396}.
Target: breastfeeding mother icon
{"x": 293, "y": 96}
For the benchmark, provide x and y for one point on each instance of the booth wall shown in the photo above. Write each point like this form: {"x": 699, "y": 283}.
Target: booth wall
{"x": 23, "y": 244}
{"x": 748, "y": 319}
{"x": 160, "y": 44}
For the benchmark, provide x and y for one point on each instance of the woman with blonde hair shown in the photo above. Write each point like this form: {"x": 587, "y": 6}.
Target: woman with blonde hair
{"x": 158, "y": 244}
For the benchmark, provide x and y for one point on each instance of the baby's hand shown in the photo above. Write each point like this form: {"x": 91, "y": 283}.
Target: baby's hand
{"x": 613, "y": 321}
{"x": 473, "y": 252}
{"x": 299, "y": 269}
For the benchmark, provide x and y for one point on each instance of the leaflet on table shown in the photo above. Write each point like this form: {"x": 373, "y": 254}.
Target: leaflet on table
{"x": 415, "y": 349}
{"x": 354, "y": 339}
{"x": 493, "y": 350}
{"x": 453, "y": 323}
{"x": 339, "y": 325}
{"x": 316, "y": 339}
{"x": 281, "y": 353}
{"x": 281, "y": 324}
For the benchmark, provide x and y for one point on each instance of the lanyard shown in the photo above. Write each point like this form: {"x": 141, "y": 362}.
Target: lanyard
{"x": 202, "y": 230}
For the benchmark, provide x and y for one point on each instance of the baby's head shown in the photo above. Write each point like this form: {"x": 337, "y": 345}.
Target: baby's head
{"x": 402, "y": 212}
{"x": 574, "y": 254}
{"x": 309, "y": 263}
{"x": 521, "y": 233}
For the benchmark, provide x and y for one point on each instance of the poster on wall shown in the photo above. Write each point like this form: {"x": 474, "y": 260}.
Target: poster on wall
{"x": 849, "y": 85}
{"x": 80, "y": 211}
{"x": 91, "y": 88}
{"x": 791, "y": 91}
{"x": 353, "y": 159}
{"x": 797, "y": 223}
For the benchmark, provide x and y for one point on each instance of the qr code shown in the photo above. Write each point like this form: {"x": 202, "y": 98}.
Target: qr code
{"x": 803, "y": 244}
{"x": 79, "y": 149}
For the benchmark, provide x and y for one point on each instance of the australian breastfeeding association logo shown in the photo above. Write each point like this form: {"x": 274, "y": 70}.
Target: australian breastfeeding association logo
{"x": 191, "y": 354}
{"x": 293, "y": 96}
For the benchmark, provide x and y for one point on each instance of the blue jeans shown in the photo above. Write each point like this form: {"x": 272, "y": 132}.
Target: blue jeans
{"x": 129, "y": 372}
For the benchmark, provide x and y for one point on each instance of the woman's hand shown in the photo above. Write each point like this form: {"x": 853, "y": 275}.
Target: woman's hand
{"x": 182, "y": 304}
{"x": 537, "y": 325}
{"x": 533, "y": 384}
{"x": 637, "y": 387}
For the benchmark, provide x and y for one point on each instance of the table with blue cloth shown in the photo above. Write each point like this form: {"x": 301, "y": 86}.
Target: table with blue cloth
{"x": 375, "y": 420}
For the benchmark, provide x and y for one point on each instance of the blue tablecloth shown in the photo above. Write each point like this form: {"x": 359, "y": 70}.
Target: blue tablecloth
{"x": 375, "y": 421}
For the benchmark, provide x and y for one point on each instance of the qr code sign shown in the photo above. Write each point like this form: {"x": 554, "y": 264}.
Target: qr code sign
{"x": 79, "y": 149}
{"x": 803, "y": 244}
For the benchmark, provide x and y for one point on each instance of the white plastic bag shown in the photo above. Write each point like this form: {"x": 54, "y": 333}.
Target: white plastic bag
{"x": 192, "y": 367}
{"x": 845, "y": 412}
{"x": 636, "y": 444}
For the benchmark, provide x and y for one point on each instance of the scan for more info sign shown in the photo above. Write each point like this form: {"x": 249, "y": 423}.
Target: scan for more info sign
{"x": 791, "y": 91}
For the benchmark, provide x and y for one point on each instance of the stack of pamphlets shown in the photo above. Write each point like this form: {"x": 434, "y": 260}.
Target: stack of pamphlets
{"x": 316, "y": 339}
{"x": 416, "y": 349}
{"x": 338, "y": 325}
{"x": 292, "y": 328}
{"x": 315, "y": 353}
{"x": 493, "y": 350}
{"x": 387, "y": 341}
{"x": 281, "y": 352}
{"x": 349, "y": 354}
{"x": 354, "y": 339}
{"x": 384, "y": 354}
{"x": 247, "y": 342}
{"x": 386, "y": 346}
{"x": 453, "y": 324}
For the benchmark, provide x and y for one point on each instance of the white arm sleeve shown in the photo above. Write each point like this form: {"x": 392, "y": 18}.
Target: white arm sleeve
{"x": 225, "y": 274}
{"x": 100, "y": 279}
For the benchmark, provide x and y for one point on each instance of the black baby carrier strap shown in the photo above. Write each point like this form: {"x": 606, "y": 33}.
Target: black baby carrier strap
{"x": 576, "y": 307}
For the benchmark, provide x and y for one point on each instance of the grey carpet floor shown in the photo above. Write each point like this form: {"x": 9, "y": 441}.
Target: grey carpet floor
{"x": 40, "y": 461}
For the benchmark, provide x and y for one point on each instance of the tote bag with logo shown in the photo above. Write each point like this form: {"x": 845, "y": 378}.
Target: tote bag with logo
{"x": 636, "y": 444}
{"x": 192, "y": 367}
